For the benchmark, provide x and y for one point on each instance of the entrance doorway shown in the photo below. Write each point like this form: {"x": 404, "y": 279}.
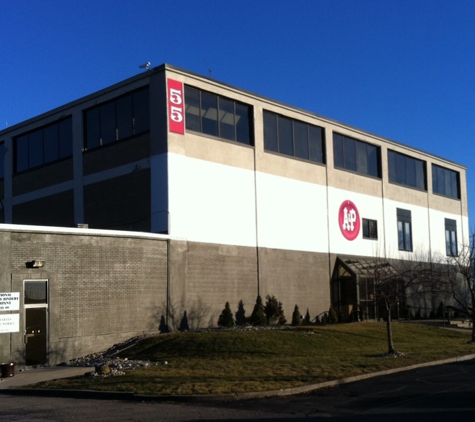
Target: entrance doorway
{"x": 36, "y": 322}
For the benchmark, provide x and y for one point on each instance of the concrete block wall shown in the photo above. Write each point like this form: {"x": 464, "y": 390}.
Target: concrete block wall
{"x": 203, "y": 277}
{"x": 296, "y": 278}
{"x": 102, "y": 289}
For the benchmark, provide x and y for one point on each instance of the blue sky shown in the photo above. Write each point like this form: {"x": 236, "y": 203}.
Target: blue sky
{"x": 402, "y": 69}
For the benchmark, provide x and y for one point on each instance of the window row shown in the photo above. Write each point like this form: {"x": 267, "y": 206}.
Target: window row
{"x": 231, "y": 120}
{"x": 294, "y": 138}
{"x": 404, "y": 230}
{"x": 410, "y": 171}
{"x": 44, "y": 145}
{"x": 117, "y": 119}
{"x": 218, "y": 116}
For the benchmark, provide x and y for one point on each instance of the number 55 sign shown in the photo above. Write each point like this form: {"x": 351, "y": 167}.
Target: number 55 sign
{"x": 176, "y": 117}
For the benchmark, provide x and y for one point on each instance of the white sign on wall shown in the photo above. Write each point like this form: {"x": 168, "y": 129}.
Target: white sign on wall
{"x": 10, "y": 323}
{"x": 9, "y": 301}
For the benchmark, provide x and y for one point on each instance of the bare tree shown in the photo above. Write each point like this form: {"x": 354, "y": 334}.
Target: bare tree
{"x": 396, "y": 282}
{"x": 459, "y": 282}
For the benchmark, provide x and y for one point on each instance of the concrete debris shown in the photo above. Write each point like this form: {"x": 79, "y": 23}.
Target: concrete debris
{"x": 106, "y": 364}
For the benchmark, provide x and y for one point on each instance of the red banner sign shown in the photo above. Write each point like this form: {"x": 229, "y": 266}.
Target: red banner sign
{"x": 349, "y": 220}
{"x": 176, "y": 113}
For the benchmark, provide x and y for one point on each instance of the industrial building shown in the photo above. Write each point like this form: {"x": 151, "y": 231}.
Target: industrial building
{"x": 171, "y": 191}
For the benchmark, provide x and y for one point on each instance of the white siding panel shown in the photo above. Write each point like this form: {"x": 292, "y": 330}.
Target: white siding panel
{"x": 421, "y": 237}
{"x": 211, "y": 203}
{"x": 437, "y": 227}
{"x": 291, "y": 214}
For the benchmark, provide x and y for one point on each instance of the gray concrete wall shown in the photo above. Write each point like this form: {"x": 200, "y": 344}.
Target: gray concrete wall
{"x": 102, "y": 289}
{"x": 203, "y": 277}
{"x": 296, "y": 278}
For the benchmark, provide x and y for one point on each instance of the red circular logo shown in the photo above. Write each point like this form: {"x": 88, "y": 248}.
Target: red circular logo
{"x": 349, "y": 219}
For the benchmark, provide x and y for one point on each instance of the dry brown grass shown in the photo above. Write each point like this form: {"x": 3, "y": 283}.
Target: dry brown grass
{"x": 231, "y": 362}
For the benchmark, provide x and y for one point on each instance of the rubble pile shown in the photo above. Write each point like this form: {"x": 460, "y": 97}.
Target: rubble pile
{"x": 106, "y": 364}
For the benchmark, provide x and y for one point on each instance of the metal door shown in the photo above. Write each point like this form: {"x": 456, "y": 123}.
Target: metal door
{"x": 35, "y": 336}
{"x": 36, "y": 322}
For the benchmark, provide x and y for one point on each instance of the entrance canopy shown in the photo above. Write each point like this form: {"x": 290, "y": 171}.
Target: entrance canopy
{"x": 353, "y": 287}
{"x": 363, "y": 267}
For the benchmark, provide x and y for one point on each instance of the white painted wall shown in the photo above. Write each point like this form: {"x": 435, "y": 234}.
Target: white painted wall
{"x": 291, "y": 214}
{"x": 216, "y": 203}
{"x": 210, "y": 202}
{"x": 421, "y": 236}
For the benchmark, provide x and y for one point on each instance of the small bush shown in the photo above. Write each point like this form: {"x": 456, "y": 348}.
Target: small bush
{"x": 296, "y": 317}
{"x": 163, "y": 327}
{"x": 307, "y": 319}
{"x": 240, "y": 314}
{"x": 282, "y": 320}
{"x": 184, "y": 323}
{"x": 274, "y": 311}
{"x": 226, "y": 318}
{"x": 258, "y": 316}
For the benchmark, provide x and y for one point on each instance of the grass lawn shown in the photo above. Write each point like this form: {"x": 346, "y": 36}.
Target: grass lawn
{"x": 244, "y": 361}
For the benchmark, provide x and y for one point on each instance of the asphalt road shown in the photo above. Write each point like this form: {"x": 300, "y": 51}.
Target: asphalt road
{"x": 438, "y": 393}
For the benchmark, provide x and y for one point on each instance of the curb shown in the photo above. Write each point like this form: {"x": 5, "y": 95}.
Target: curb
{"x": 112, "y": 395}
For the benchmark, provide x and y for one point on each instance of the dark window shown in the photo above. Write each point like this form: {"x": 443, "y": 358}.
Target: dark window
{"x": 218, "y": 116}
{"x": 51, "y": 140}
{"x": 35, "y": 148}
{"x": 286, "y": 141}
{"x": 270, "y": 132}
{"x": 65, "y": 141}
{"x": 117, "y": 119}
{"x": 445, "y": 182}
{"x": 36, "y": 292}
{"x": 125, "y": 125}
{"x": 370, "y": 229}
{"x": 192, "y": 102}
{"x": 2, "y": 160}
{"x": 141, "y": 111}
{"x": 293, "y": 137}
{"x": 360, "y": 157}
{"x": 209, "y": 114}
{"x": 44, "y": 145}
{"x": 406, "y": 170}
{"x": 93, "y": 128}
{"x": 21, "y": 153}
{"x": 108, "y": 123}
{"x": 226, "y": 118}
{"x": 404, "y": 228}
{"x": 243, "y": 123}
{"x": 301, "y": 140}
{"x": 451, "y": 237}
